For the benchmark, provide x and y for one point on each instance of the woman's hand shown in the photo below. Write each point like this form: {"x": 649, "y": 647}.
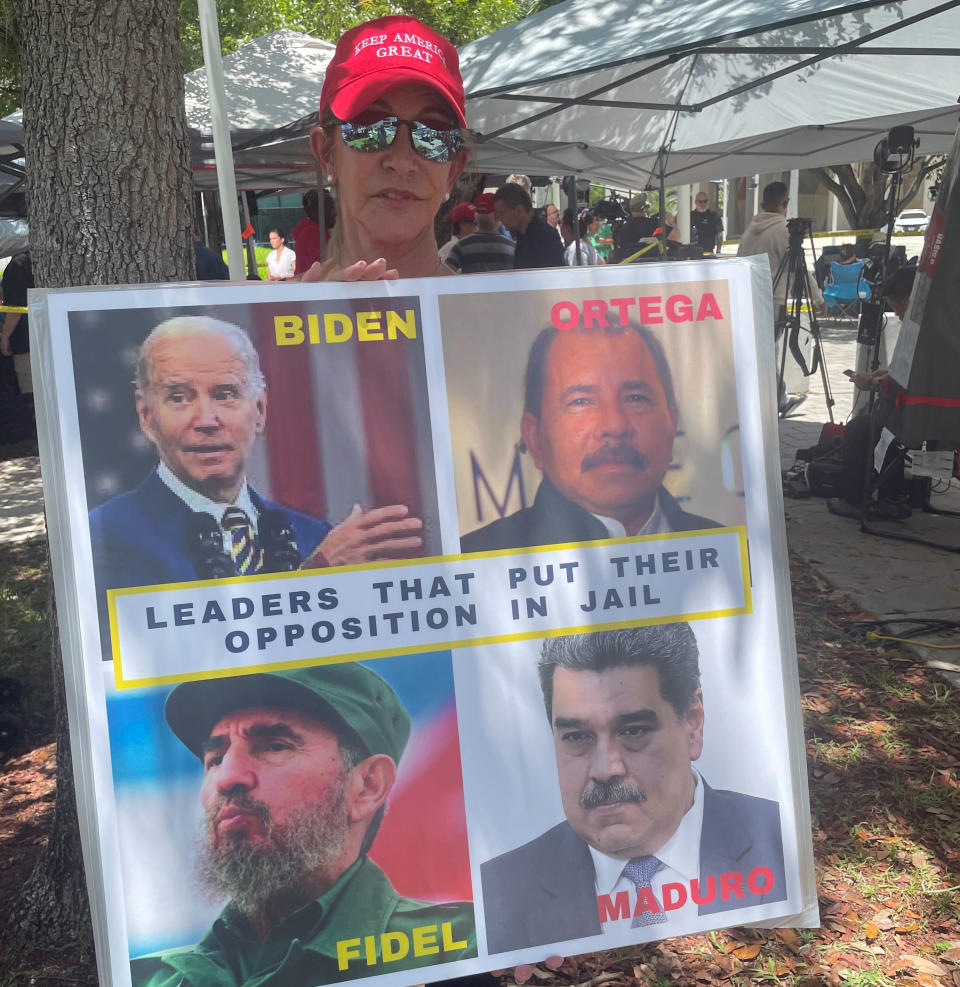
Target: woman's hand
{"x": 360, "y": 271}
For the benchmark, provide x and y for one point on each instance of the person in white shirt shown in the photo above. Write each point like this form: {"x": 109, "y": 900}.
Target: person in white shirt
{"x": 588, "y": 224}
{"x": 281, "y": 261}
{"x": 646, "y": 842}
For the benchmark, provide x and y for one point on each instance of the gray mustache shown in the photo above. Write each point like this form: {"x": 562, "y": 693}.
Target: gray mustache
{"x": 608, "y": 793}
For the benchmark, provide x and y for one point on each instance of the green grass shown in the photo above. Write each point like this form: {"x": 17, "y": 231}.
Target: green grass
{"x": 261, "y": 260}
{"x": 24, "y": 633}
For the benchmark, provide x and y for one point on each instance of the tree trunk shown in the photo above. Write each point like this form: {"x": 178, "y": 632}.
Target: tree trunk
{"x": 862, "y": 189}
{"x": 106, "y": 142}
{"x": 109, "y": 176}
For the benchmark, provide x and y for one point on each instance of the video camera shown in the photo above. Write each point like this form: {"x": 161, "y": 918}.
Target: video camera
{"x": 611, "y": 209}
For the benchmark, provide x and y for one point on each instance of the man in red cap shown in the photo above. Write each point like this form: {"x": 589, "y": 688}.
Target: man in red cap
{"x": 485, "y": 250}
{"x": 463, "y": 219}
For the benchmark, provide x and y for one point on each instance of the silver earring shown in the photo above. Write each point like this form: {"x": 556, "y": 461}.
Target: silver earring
{"x": 446, "y": 196}
{"x": 329, "y": 178}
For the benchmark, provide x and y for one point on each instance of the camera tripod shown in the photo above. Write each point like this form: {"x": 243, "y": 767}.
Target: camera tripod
{"x": 793, "y": 272}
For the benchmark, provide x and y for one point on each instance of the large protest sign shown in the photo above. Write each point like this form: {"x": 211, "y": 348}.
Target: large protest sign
{"x": 430, "y": 625}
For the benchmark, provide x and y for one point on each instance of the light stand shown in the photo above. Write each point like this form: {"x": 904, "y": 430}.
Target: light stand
{"x": 793, "y": 271}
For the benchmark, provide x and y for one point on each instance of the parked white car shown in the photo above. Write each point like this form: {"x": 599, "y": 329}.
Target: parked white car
{"x": 911, "y": 220}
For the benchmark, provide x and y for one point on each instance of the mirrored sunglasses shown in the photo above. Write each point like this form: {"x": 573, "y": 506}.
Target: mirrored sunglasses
{"x": 429, "y": 142}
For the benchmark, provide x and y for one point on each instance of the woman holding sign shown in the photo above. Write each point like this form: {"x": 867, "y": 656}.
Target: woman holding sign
{"x": 390, "y": 142}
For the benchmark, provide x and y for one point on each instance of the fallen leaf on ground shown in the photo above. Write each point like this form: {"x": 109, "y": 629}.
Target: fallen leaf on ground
{"x": 922, "y": 965}
{"x": 790, "y": 939}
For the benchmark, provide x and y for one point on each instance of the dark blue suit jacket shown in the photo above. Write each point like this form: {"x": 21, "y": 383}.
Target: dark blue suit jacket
{"x": 545, "y": 890}
{"x": 139, "y": 538}
{"x": 554, "y": 520}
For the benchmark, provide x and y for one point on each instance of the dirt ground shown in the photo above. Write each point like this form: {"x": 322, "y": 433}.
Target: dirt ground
{"x": 883, "y": 746}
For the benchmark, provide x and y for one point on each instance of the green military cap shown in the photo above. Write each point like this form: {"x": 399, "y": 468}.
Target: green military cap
{"x": 637, "y": 203}
{"x": 348, "y": 696}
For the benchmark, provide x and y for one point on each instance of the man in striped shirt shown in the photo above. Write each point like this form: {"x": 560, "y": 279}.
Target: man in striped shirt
{"x": 485, "y": 250}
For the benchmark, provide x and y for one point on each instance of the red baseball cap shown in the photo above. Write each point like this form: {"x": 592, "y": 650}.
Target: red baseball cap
{"x": 462, "y": 211}
{"x": 484, "y": 204}
{"x": 374, "y": 57}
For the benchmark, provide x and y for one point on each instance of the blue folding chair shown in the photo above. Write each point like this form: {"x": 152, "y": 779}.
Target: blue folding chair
{"x": 846, "y": 290}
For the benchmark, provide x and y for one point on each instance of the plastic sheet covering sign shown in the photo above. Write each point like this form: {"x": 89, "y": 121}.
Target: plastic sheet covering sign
{"x": 423, "y": 626}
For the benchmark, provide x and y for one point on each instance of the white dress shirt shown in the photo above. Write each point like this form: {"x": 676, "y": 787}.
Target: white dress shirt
{"x": 656, "y": 524}
{"x": 197, "y": 502}
{"x": 680, "y": 863}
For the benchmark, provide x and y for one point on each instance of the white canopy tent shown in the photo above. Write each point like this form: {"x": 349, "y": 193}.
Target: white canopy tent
{"x": 698, "y": 89}
{"x": 622, "y": 91}
{"x": 272, "y": 92}
{"x": 12, "y": 175}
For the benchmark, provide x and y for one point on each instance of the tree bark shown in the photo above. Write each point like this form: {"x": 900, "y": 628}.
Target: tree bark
{"x": 106, "y": 142}
{"x": 108, "y": 169}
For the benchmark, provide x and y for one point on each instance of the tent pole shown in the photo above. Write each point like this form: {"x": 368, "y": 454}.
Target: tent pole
{"x": 252, "y": 272}
{"x": 663, "y": 200}
{"x": 572, "y": 206}
{"x": 222, "y": 148}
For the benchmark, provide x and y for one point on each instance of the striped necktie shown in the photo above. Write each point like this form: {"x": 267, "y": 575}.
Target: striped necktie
{"x": 640, "y": 870}
{"x": 244, "y": 548}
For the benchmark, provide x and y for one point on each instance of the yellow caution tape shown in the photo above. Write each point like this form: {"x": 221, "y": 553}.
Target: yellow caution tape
{"x": 640, "y": 252}
{"x": 846, "y": 234}
{"x": 22, "y": 309}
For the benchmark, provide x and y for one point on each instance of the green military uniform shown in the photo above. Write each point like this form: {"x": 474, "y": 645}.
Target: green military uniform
{"x": 301, "y": 951}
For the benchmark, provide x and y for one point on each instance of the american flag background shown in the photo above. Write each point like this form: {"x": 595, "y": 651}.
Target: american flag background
{"x": 347, "y": 422}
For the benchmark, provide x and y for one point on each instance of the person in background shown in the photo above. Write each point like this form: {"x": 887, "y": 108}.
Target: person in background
{"x": 603, "y": 240}
{"x": 209, "y": 266}
{"x": 567, "y": 226}
{"x": 587, "y": 225}
{"x": 848, "y": 254}
{"x": 537, "y": 243}
{"x": 281, "y": 261}
{"x": 485, "y": 250}
{"x": 768, "y": 234}
{"x": 306, "y": 234}
{"x": 706, "y": 225}
{"x": 637, "y": 228}
{"x": 15, "y": 334}
{"x": 523, "y": 181}
{"x": 463, "y": 219}
{"x": 889, "y": 501}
